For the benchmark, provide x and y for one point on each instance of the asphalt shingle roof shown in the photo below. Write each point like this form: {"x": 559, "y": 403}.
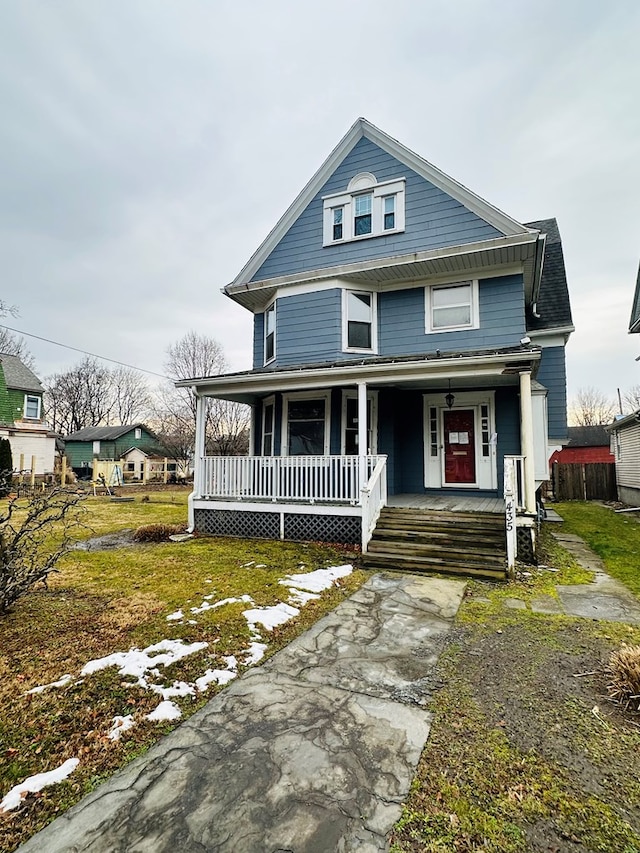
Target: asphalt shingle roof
{"x": 634, "y": 322}
{"x": 105, "y": 433}
{"x": 17, "y": 375}
{"x": 553, "y": 308}
{"x": 588, "y": 436}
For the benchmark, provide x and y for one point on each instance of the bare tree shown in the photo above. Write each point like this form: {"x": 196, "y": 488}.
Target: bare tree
{"x": 11, "y": 344}
{"x": 631, "y": 399}
{"x": 81, "y": 397}
{"x": 591, "y": 407}
{"x": 131, "y": 397}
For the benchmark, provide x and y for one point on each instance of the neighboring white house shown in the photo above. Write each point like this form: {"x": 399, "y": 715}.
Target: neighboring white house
{"x": 625, "y": 445}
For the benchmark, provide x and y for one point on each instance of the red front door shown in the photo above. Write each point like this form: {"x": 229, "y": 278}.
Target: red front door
{"x": 459, "y": 447}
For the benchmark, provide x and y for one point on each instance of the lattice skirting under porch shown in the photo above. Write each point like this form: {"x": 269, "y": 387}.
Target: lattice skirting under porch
{"x": 305, "y": 527}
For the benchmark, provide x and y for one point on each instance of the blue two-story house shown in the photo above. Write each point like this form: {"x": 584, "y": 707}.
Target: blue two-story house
{"x": 408, "y": 338}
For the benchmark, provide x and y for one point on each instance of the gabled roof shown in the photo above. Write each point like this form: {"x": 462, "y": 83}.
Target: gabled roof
{"x": 106, "y": 433}
{"x": 18, "y": 376}
{"x": 634, "y": 322}
{"x": 363, "y": 128}
{"x": 552, "y": 308}
{"x": 588, "y": 436}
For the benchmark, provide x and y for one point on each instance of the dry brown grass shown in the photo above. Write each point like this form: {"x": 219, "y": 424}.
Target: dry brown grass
{"x": 624, "y": 670}
{"x": 158, "y": 532}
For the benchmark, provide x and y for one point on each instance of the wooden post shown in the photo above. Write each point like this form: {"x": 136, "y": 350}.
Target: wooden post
{"x": 63, "y": 471}
{"x": 33, "y": 471}
{"x": 94, "y": 468}
{"x": 144, "y": 471}
{"x": 166, "y": 470}
{"x": 21, "y": 469}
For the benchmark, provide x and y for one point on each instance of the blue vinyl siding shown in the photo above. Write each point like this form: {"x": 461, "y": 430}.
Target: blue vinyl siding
{"x": 507, "y": 427}
{"x": 258, "y": 339}
{"x": 432, "y": 220}
{"x": 401, "y": 318}
{"x": 553, "y": 375}
{"x": 308, "y": 328}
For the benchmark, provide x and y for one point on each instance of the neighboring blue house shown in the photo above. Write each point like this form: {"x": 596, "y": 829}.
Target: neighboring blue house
{"x": 391, "y": 289}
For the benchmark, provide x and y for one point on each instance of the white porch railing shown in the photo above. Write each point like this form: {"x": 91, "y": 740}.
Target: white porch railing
{"x": 374, "y": 498}
{"x": 323, "y": 479}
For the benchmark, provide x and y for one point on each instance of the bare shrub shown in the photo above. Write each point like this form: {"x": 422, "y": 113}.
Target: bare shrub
{"x": 157, "y": 532}
{"x": 34, "y": 534}
{"x": 624, "y": 671}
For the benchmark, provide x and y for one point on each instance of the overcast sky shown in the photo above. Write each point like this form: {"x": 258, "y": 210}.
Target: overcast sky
{"x": 147, "y": 148}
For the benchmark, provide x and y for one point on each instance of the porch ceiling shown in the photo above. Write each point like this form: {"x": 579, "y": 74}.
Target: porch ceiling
{"x": 465, "y": 370}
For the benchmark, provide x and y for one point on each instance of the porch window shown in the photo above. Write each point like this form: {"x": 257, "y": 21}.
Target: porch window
{"x": 268, "y": 412}
{"x": 32, "y": 407}
{"x": 350, "y": 424}
{"x": 359, "y": 321}
{"x": 306, "y": 419}
{"x": 270, "y": 333}
{"x": 452, "y": 306}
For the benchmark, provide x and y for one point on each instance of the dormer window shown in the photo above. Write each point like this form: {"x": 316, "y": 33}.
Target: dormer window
{"x": 270, "y": 333}
{"x": 32, "y": 407}
{"x": 367, "y": 209}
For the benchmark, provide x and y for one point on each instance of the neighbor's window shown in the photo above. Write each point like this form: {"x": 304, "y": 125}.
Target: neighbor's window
{"x": 138, "y": 433}
{"x": 270, "y": 333}
{"x": 359, "y": 308}
{"x": 453, "y": 306}
{"x": 306, "y": 427}
{"x": 32, "y": 407}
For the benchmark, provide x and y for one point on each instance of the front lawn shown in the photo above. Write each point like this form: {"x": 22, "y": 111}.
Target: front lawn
{"x": 108, "y": 602}
{"x": 615, "y": 537}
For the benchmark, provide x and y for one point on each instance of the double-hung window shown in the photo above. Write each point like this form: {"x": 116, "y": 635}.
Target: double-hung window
{"x": 359, "y": 321}
{"x": 268, "y": 413}
{"x": 270, "y": 333}
{"x": 451, "y": 307}
{"x": 306, "y": 425}
{"x": 367, "y": 209}
{"x": 32, "y": 407}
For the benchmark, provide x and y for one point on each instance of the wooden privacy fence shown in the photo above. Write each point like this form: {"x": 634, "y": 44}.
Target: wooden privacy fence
{"x": 590, "y": 481}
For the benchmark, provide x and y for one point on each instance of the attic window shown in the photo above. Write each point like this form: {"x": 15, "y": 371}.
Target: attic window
{"x": 367, "y": 209}
{"x": 32, "y": 407}
{"x": 138, "y": 433}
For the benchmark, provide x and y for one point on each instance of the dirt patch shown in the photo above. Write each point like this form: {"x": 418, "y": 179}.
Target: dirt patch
{"x": 107, "y": 542}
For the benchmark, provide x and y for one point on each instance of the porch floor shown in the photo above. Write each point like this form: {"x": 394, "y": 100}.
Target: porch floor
{"x": 453, "y": 503}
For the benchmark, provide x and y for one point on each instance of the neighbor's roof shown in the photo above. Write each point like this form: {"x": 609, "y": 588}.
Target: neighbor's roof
{"x": 17, "y": 375}
{"x": 553, "y": 307}
{"x": 588, "y": 436}
{"x": 107, "y": 433}
{"x": 634, "y": 322}
{"x": 624, "y": 422}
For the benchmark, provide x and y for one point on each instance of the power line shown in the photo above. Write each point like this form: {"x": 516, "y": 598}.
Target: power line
{"x": 84, "y": 352}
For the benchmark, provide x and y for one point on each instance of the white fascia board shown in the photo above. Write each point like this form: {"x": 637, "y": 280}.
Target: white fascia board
{"x": 555, "y": 337}
{"x": 235, "y": 291}
{"x": 362, "y": 128}
{"x": 338, "y": 376}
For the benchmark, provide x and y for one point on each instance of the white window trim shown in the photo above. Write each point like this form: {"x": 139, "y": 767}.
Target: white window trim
{"x": 137, "y": 435}
{"x": 28, "y": 397}
{"x": 305, "y": 395}
{"x": 272, "y": 305}
{"x": 268, "y": 401}
{"x": 372, "y": 396}
{"x": 475, "y": 307}
{"x": 345, "y": 321}
{"x": 360, "y": 185}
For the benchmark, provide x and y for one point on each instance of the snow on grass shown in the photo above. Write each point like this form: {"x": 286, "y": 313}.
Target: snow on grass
{"x": 173, "y": 617}
{"x": 206, "y": 605}
{"x": 177, "y": 689}
{"x": 37, "y": 783}
{"x": 270, "y": 617}
{"x": 254, "y": 653}
{"x": 319, "y": 580}
{"x": 138, "y": 663}
{"x": 60, "y": 683}
{"x": 165, "y": 711}
{"x": 120, "y": 725}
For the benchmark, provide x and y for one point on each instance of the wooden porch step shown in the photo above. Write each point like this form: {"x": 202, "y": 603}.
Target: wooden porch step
{"x": 463, "y": 543}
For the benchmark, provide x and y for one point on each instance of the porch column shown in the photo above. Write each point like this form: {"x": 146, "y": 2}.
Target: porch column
{"x": 198, "y": 450}
{"x": 362, "y": 431}
{"x": 526, "y": 441}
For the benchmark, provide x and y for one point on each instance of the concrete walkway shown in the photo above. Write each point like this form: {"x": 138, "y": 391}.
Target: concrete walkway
{"x": 314, "y": 751}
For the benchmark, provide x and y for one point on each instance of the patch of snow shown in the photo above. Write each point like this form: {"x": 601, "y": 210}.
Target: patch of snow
{"x": 270, "y": 617}
{"x": 178, "y": 688}
{"x": 261, "y": 566}
{"x": 300, "y": 598}
{"x": 165, "y": 711}
{"x": 60, "y": 683}
{"x": 120, "y": 725}
{"x": 37, "y": 783}
{"x": 319, "y": 580}
{"x": 173, "y": 617}
{"x": 255, "y": 653}
{"x": 137, "y": 663}
{"x": 215, "y": 676}
{"x": 245, "y": 599}
{"x": 231, "y": 661}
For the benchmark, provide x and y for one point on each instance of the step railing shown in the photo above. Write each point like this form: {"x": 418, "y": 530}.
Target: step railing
{"x": 372, "y": 499}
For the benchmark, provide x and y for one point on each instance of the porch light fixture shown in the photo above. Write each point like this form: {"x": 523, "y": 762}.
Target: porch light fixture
{"x": 449, "y": 398}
